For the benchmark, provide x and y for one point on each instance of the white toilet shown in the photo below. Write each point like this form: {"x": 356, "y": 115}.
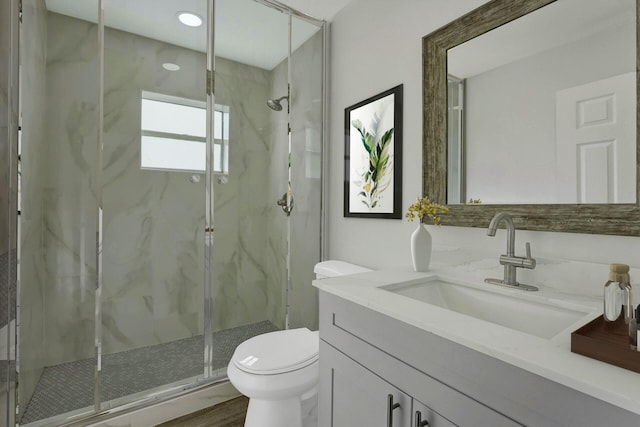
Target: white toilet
{"x": 278, "y": 371}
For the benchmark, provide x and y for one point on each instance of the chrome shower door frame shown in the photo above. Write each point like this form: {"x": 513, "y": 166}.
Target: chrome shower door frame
{"x": 209, "y": 196}
{"x": 9, "y": 127}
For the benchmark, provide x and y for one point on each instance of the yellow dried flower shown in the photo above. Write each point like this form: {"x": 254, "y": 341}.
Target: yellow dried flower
{"x": 423, "y": 208}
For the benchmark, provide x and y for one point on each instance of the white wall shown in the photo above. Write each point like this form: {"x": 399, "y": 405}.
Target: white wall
{"x": 375, "y": 45}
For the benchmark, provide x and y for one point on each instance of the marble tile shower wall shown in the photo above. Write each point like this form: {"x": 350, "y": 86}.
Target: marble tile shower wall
{"x": 153, "y": 250}
{"x": 33, "y": 159}
{"x": 6, "y": 112}
{"x": 241, "y": 204}
{"x": 4, "y": 124}
{"x": 69, "y": 201}
{"x": 156, "y": 282}
{"x": 153, "y": 220}
{"x": 306, "y": 142}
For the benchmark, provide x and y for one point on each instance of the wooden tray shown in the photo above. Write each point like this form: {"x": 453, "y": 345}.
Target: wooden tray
{"x": 607, "y": 342}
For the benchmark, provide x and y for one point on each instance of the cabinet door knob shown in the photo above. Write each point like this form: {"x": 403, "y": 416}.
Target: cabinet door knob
{"x": 419, "y": 421}
{"x": 390, "y": 407}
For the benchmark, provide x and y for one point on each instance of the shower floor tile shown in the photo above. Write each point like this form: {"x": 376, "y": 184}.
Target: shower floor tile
{"x": 69, "y": 386}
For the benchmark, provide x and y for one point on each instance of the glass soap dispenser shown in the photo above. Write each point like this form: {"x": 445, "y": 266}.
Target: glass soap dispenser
{"x": 617, "y": 294}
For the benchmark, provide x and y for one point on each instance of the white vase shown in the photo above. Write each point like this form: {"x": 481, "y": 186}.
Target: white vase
{"x": 421, "y": 248}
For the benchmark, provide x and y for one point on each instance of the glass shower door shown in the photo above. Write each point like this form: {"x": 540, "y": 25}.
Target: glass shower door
{"x": 306, "y": 76}
{"x": 9, "y": 239}
{"x": 153, "y": 175}
{"x": 267, "y": 207}
{"x": 58, "y": 218}
{"x": 243, "y": 303}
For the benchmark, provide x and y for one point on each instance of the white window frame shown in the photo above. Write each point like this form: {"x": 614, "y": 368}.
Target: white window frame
{"x": 223, "y": 143}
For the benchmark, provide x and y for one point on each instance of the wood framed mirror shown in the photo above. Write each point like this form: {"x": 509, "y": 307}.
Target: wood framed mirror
{"x": 592, "y": 213}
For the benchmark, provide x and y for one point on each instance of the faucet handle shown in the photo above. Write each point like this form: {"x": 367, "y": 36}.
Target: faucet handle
{"x": 528, "y": 262}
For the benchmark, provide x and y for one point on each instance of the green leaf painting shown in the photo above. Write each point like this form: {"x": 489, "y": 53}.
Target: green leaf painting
{"x": 376, "y": 178}
{"x": 373, "y": 156}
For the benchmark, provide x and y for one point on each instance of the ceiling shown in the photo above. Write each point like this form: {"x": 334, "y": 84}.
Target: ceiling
{"x": 246, "y": 31}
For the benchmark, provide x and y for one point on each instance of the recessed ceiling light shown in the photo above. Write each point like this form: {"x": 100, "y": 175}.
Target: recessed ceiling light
{"x": 189, "y": 19}
{"x": 170, "y": 66}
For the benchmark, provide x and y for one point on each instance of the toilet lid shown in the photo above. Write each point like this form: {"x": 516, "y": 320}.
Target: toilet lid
{"x": 277, "y": 352}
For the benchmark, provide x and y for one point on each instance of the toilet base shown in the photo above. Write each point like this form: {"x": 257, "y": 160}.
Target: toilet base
{"x": 274, "y": 413}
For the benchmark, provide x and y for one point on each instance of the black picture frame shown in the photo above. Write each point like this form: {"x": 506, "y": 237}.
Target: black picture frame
{"x": 368, "y": 187}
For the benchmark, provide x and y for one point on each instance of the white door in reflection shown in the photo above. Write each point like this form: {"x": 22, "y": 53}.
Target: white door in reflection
{"x": 596, "y": 141}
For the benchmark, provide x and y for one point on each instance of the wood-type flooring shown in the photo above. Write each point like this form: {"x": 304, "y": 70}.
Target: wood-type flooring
{"x": 226, "y": 414}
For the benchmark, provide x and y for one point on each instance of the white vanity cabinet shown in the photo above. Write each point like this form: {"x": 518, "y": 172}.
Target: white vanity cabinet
{"x": 365, "y": 356}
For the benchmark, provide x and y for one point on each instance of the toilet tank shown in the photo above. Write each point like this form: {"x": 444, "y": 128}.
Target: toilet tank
{"x": 334, "y": 268}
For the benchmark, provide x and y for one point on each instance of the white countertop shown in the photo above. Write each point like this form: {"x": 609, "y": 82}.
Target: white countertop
{"x": 551, "y": 359}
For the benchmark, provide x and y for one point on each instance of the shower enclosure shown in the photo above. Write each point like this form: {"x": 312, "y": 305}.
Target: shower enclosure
{"x": 165, "y": 208}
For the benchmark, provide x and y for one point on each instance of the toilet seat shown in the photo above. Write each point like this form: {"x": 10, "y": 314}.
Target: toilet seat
{"x": 277, "y": 352}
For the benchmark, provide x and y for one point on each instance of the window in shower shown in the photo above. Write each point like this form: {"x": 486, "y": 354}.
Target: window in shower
{"x": 174, "y": 134}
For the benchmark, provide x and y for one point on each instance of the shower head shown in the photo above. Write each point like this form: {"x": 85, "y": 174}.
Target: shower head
{"x": 275, "y": 104}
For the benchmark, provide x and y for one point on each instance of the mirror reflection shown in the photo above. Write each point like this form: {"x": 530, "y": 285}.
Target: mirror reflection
{"x": 542, "y": 110}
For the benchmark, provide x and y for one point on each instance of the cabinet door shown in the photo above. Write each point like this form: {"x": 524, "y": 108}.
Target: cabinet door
{"x": 425, "y": 416}
{"x": 353, "y": 396}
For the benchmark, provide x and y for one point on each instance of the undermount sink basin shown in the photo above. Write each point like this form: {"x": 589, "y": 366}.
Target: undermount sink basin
{"x": 521, "y": 312}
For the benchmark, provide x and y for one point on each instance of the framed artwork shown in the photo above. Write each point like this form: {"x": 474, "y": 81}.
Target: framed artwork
{"x": 373, "y": 157}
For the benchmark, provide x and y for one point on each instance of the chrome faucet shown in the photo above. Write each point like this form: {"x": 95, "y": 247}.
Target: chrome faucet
{"x": 510, "y": 260}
